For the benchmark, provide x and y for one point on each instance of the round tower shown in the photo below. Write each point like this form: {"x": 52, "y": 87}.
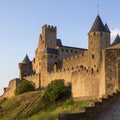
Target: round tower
{"x": 98, "y": 39}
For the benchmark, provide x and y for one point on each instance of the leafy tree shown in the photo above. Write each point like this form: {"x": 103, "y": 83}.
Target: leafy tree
{"x": 24, "y": 86}
{"x": 56, "y": 90}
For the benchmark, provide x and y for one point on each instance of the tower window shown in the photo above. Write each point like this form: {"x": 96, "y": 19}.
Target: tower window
{"x": 94, "y": 34}
{"x": 75, "y": 51}
{"x": 93, "y": 56}
{"x": 101, "y": 33}
{"x": 92, "y": 70}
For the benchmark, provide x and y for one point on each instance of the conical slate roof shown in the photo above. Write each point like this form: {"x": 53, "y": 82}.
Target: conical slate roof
{"x": 26, "y": 59}
{"x": 98, "y": 25}
{"x": 106, "y": 27}
{"x": 117, "y": 40}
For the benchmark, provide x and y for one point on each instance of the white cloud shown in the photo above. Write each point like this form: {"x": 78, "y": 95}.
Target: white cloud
{"x": 114, "y": 33}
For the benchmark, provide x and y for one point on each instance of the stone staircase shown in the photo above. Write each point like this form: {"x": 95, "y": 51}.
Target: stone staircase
{"x": 93, "y": 108}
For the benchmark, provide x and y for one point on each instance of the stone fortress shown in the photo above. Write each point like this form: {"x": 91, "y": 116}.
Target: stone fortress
{"x": 93, "y": 73}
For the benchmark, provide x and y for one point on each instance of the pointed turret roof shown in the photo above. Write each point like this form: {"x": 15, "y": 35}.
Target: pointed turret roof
{"x": 117, "y": 40}
{"x": 106, "y": 28}
{"x": 98, "y": 25}
{"x": 26, "y": 59}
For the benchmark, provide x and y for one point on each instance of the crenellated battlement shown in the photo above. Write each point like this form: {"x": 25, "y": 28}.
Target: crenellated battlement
{"x": 81, "y": 69}
{"x": 49, "y": 27}
{"x": 86, "y": 71}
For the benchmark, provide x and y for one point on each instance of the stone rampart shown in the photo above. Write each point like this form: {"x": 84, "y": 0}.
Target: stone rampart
{"x": 34, "y": 78}
{"x": 76, "y": 61}
{"x": 48, "y": 77}
{"x": 66, "y": 52}
{"x": 112, "y": 68}
{"x": 85, "y": 84}
{"x": 9, "y": 91}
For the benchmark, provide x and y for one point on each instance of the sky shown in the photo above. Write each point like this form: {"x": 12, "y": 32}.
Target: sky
{"x": 21, "y": 22}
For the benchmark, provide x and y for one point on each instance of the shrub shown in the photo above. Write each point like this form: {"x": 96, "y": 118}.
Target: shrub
{"x": 2, "y": 100}
{"x": 69, "y": 102}
{"x": 24, "y": 86}
{"x": 55, "y": 91}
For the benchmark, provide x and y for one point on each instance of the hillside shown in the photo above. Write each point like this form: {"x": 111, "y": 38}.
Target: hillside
{"x": 29, "y": 106}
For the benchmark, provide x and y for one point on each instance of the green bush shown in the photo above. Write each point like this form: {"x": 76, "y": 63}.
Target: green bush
{"x": 55, "y": 91}
{"x": 69, "y": 102}
{"x": 2, "y": 100}
{"x": 24, "y": 86}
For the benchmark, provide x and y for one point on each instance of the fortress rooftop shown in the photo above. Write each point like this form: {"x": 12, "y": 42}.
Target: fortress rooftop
{"x": 98, "y": 25}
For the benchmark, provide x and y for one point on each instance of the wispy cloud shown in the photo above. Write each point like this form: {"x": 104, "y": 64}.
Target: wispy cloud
{"x": 114, "y": 32}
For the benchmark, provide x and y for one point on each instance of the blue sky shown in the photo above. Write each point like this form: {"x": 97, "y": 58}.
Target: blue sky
{"x": 21, "y": 22}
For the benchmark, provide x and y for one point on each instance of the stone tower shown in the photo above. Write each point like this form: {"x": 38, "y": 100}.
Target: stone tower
{"x": 47, "y": 41}
{"x": 25, "y": 68}
{"x": 48, "y": 37}
{"x": 98, "y": 39}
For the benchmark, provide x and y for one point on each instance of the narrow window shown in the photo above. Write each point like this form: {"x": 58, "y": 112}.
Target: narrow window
{"x": 92, "y": 70}
{"x": 94, "y": 33}
{"x": 75, "y": 51}
{"x": 72, "y": 68}
{"x": 62, "y": 49}
{"x": 93, "y": 56}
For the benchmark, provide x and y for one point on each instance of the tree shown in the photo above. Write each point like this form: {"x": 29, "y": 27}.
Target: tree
{"x": 55, "y": 91}
{"x": 24, "y": 86}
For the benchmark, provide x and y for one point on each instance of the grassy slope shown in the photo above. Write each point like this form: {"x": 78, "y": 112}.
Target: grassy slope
{"x": 30, "y": 107}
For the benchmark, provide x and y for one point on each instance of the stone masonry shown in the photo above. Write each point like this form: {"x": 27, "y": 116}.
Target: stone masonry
{"x": 92, "y": 73}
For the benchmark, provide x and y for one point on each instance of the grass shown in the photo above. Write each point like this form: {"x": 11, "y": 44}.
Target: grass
{"x": 29, "y": 106}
